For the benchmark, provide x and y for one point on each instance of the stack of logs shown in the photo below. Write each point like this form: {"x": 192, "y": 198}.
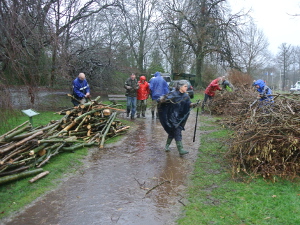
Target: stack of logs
{"x": 266, "y": 139}
{"x": 88, "y": 124}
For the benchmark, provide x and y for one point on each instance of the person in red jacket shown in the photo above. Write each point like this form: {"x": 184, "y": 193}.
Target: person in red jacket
{"x": 142, "y": 96}
{"x": 211, "y": 89}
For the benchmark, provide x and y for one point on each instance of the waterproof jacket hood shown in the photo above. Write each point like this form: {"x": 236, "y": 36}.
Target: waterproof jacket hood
{"x": 158, "y": 86}
{"x": 263, "y": 90}
{"x": 144, "y": 89}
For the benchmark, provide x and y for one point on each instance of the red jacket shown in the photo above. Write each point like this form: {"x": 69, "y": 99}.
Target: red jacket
{"x": 144, "y": 90}
{"x": 213, "y": 87}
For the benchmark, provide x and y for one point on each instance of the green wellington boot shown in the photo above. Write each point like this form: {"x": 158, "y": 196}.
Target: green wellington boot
{"x": 180, "y": 148}
{"x": 167, "y": 148}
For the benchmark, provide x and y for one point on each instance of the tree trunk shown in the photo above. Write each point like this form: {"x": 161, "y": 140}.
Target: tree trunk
{"x": 199, "y": 69}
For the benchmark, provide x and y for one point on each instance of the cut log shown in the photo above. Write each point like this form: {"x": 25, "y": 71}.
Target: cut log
{"x": 39, "y": 176}
{"x": 15, "y": 152}
{"x": 15, "y": 171}
{"x": 16, "y": 128}
{"x": 108, "y": 124}
{"x": 14, "y": 177}
{"x": 21, "y": 136}
{"x": 76, "y": 146}
{"x": 12, "y": 134}
{"x": 21, "y": 142}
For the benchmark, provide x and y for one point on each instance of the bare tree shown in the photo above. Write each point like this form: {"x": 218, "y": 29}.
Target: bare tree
{"x": 205, "y": 28}
{"x": 251, "y": 50}
{"x": 68, "y": 14}
{"x": 171, "y": 44}
{"x": 138, "y": 16}
{"x": 284, "y": 60}
{"x": 295, "y": 64}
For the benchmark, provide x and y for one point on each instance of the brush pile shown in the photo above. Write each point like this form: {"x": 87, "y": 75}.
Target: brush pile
{"x": 266, "y": 137}
{"x": 88, "y": 124}
{"x": 266, "y": 140}
{"x": 232, "y": 103}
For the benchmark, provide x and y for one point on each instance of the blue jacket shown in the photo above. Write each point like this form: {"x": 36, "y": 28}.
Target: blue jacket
{"x": 263, "y": 90}
{"x": 80, "y": 88}
{"x": 158, "y": 86}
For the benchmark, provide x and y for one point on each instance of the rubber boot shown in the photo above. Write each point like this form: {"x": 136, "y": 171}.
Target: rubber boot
{"x": 167, "y": 148}
{"x": 143, "y": 115}
{"x": 180, "y": 148}
{"x": 152, "y": 114}
{"x": 137, "y": 115}
{"x": 128, "y": 111}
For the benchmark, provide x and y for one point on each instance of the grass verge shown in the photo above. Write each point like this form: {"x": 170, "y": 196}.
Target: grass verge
{"x": 216, "y": 198}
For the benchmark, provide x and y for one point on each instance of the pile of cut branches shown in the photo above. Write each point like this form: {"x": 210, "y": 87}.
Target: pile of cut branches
{"x": 236, "y": 102}
{"x": 266, "y": 139}
{"x": 88, "y": 124}
{"x": 232, "y": 103}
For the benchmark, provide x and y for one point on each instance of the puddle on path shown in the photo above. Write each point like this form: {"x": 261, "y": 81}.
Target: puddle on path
{"x": 112, "y": 187}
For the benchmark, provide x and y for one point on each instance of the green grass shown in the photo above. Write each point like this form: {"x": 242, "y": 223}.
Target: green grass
{"x": 215, "y": 198}
{"x": 18, "y": 118}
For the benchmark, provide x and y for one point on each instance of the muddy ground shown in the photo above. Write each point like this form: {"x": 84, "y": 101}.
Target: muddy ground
{"x": 133, "y": 181}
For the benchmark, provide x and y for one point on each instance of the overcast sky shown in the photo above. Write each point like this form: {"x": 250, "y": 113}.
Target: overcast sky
{"x": 272, "y": 17}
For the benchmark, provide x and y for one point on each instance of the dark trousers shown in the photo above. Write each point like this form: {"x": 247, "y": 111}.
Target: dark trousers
{"x": 176, "y": 134}
{"x": 131, "y": 105}
{"x": 206, "y": 97}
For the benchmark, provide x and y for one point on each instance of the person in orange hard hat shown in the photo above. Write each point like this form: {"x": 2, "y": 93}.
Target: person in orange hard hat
{"x": 142, "y": 96}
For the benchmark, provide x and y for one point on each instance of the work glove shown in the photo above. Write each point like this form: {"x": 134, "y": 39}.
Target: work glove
{"x": 128, "y": 87}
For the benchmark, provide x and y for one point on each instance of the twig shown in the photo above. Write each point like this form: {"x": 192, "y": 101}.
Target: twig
{"x": 161, "y": 183}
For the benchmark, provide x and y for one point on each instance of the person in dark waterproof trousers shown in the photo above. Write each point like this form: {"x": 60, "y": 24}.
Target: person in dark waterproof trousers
{"x": 211, "y": 89}
{"x": 81, "y": 90}
{"x": 174, "y": 110}
{"x": 131, "y": 86}
{"x": 158, "y": 87}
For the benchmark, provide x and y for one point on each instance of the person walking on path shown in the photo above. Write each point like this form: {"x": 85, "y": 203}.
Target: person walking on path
{"x": 158, "y": 87}
{"x": 81, "y": 90}
{"x": 142, "y": 96}
{"x": 131, "y": 86}
{"x": 211, "y": 89}
{"x": 174, "y": 110}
